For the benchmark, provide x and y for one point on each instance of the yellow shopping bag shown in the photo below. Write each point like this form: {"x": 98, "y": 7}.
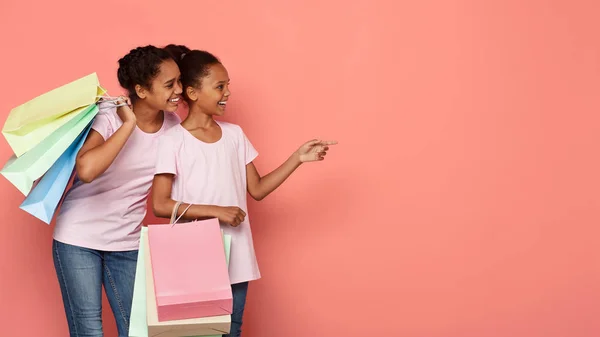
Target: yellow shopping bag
{"x": 30, "y": 123}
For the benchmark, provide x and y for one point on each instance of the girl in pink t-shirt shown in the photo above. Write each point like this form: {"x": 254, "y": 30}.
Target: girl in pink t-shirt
{"x": 98, "y": 227}
{"x": 208, "y": 165}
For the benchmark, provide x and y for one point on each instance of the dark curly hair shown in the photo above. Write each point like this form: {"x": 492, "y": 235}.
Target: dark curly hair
{"x": 140, "y": 66}
{"x": 193, "y": 64}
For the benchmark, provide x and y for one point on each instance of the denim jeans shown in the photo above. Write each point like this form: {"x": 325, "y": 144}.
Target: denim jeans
{"x": 239, "y": 302}
{"x": 81, "y": 274}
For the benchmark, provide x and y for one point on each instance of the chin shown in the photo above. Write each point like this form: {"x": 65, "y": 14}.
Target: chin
{"x": 170, "y": 108}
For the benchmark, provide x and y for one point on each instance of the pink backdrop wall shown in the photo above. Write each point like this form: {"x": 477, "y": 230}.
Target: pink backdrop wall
{"x": 462, "y": 199}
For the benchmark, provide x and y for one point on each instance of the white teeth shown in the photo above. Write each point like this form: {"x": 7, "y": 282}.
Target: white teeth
{"x": 174, "y": 100}
{"x": 222, "y": 103}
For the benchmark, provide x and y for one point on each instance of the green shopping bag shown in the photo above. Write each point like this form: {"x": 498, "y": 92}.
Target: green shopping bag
{"x": 23, "y": 171}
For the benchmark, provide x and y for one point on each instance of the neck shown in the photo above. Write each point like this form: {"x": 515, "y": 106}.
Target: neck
{"x": 146, "y": 115}
{"x": 197, "y": 119}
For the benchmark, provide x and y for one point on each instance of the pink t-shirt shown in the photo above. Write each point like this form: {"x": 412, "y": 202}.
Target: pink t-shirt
{"x": 214, "y": 174}
{"x": 106, "y": 214}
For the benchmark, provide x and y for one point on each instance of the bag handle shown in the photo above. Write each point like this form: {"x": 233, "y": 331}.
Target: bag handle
{"x": 173, "y": 220}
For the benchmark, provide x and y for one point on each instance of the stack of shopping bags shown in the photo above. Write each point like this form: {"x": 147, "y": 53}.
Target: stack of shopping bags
{"x": 182, "y": 284}
{"x": 45, "y": 135}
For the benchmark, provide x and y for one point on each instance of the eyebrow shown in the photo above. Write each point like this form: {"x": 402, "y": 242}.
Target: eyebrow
{"x": 170, "y": 81}
{"x": 223, "y": 82}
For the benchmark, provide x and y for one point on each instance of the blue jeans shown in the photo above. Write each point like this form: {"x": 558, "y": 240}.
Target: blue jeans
{"x": 81, "y": 273}
{"x": 239, "y": 302}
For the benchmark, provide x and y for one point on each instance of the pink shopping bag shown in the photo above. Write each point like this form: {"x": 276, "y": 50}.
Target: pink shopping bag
{"x": 189, "y": 269}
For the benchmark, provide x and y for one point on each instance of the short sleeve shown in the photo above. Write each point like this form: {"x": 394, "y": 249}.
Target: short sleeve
{"x": 102, "y": 126}
{"x": 105, "y": 123}
{"x": 166, "y": 156}
{"x": 248, "y": 149}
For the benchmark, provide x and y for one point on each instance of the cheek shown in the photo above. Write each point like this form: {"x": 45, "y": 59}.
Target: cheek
{"x": 166, "y": 94}
{"x": 210, "y": 97}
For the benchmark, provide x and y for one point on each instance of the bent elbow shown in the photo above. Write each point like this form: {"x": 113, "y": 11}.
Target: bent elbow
{"x": 257, "y": 195}
{"x": 85, "y": 175}
{"x": 160, "y": 208}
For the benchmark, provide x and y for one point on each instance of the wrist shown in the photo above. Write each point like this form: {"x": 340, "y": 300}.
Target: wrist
{"x": 130, "y": 122}
{"x": 129, "y": 125}
{"x": 213, "y": 211}
{"x": 295, "y": 158}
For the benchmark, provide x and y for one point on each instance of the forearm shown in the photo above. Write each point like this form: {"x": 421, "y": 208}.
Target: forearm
{"x": 164, "y": 209}
{"x": 273, "y": 180}
{"x": 96, "y": 161}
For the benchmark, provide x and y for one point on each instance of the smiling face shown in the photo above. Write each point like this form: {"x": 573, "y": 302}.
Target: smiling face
{"x": 211, "y": 92}
{"x": 164, "y": 91}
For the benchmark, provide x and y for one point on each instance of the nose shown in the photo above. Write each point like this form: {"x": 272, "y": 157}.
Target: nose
{"x": 227, "y": 92}
{"x": 178, "y": 89}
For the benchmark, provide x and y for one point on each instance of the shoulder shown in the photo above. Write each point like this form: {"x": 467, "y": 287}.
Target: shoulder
{"x": 231, "y": 128}
{"x": 108, "y": 111}
{"x": 171, "y": 119}
{"x": 173, "y": 135}
{"x": 107, "y": 120}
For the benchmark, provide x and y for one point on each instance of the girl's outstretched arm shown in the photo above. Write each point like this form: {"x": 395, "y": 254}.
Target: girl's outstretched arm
{"x": 259, "y": 187}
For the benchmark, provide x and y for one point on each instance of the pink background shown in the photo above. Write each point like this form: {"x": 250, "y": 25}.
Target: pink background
{"x": 463, "y": 197}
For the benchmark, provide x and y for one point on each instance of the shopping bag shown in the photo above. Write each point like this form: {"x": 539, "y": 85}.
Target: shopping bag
{"x": 138, "y": 323}
{"x": 46, "y": 195}
{"x": 190, "y": 270}
{"x": 30, "y": 123}
{"x": 23, "y": 171}
{"x": 206, "y": 326}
